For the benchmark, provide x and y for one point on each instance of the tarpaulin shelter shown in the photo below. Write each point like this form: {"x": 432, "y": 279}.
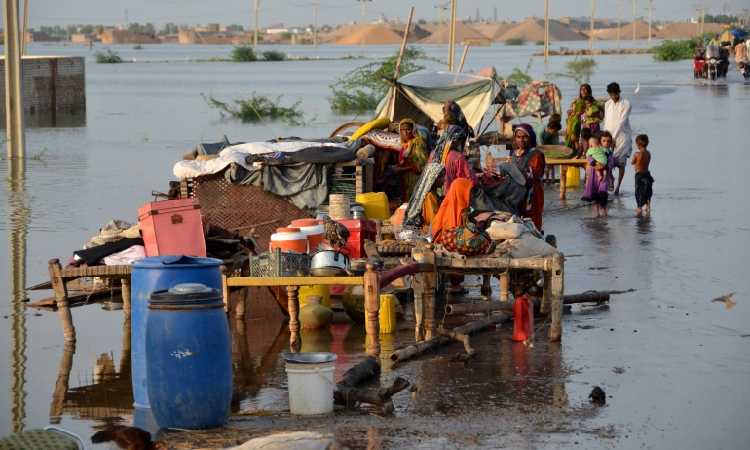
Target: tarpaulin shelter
{"x": 420, "y": 96}
{"x": 538, "y": 98}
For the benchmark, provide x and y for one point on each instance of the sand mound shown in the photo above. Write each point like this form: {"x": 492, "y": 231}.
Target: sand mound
{"x": 373, "y": 34}
{"x": 626, "y": 31}
{"x": 494, "y": 30}
{"x": 532, "y": 30}
{"x": 464, "y": 32}
{"x": 686, "y": 30}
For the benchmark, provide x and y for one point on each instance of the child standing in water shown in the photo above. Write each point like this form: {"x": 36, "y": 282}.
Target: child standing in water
{"x": 643, "y": 180}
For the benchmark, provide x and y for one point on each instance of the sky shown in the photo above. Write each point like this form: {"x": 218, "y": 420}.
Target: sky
{"x": 299, "y": 12}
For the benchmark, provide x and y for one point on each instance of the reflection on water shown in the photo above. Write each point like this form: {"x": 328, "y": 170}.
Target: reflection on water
{"x": 63, "y": 119}
{"x": 19, "y": 218}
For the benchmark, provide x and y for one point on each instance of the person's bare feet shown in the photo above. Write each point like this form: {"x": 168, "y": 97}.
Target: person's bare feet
{"x": 638, "y": 212}
{"x": 617, "y": 191}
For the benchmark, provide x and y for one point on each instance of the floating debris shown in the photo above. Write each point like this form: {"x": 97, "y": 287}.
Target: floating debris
{"x": 597, "y": 396}
{"x": 727, "y": 299}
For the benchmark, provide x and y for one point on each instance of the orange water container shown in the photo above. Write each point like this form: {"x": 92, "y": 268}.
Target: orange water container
{"x": 315, "y": 234}
{"x": 299, "y": 223}
{"x": 523, "y": 318}
{"x": 289, "y": 240}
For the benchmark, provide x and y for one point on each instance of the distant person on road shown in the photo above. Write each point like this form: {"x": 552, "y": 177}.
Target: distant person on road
{"x": 617, "y": 122}
{"x": 740, "y": 53}
{"x": 643, "y": 180}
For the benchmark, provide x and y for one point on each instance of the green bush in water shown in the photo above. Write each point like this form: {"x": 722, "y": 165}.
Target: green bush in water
{"x": 244, "y": 53}
{"x": 515, "y": 41}
{"x": 539, "y": 42}
{"x": 108, "y": 57}
{"x": 362, "y": 89}
{"x": 258, "y": 108}
{"x": 579, "y": 69}
{"x": 675, "y": 50}
{"x": 521, "y": 77}
{"x": 273, "y": 55}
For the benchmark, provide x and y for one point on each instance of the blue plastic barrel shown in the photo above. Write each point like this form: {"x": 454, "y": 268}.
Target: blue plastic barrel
{"x": 153, "y": 274}
{"x": 189, "y": 357}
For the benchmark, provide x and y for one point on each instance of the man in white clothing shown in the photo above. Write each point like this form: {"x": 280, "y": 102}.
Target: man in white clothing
{"x": 617, "y": 122}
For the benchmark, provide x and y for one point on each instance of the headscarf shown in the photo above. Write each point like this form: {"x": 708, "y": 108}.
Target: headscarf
{"x": 455, "y": 116}
{"x": 526, "y": 129}
{"x": 453, "y": 133}
{"x": 587, "y": 86}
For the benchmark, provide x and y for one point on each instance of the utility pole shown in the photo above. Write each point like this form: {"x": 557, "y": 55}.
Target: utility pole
{"x": 452, "y": 38}
{"x": 316, "y": 5}
{"x": 619, "y": 21}
{"x": 650, "y": 17}
{"x": 25, "y": 26}
{"x": 591, "y": 26}
{"x": 256, "y": 8}
{"x": 14, "y": 130}
{"x": 546, "y": 31}
{"x": 703, "y": 20}
{"x": 634, "y": 8}
{"x": 494, "y": 14}
{"x": 126, "y": 18}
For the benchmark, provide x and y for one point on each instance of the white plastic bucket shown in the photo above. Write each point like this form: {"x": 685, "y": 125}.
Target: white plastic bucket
{"x": 310, "y": 388}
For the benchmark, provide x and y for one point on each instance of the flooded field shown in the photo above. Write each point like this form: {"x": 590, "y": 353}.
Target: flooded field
{"x": 674, "y": 365}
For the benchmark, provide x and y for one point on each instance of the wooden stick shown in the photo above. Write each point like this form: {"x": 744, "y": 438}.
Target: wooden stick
{"x": 463, "y": 58}
{"x": 587, "y": 297}
{"x": 462, "y": 338}
{"x": 504, "y": 286}
{"x": 61, "y": 298}
{"x": 418, "y": 348}
{"x": 397, "y": 69}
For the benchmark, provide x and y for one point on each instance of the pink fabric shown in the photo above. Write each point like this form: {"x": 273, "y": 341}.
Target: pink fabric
{"x": 456, "y": 166}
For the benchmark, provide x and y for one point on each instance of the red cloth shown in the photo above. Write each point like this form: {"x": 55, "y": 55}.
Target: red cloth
{"x": 535, "y": 208}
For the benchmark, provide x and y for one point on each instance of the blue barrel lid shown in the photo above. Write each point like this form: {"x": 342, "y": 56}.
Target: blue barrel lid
{"x": 175, "y": 261}
{"x": 186, "y": 295}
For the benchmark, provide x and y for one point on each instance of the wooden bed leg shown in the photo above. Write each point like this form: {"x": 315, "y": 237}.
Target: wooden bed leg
{"x": 224, "y": 288}
{"x": 504, "y": 286}
{"x": 556, "y": 302}
{"x": 61, "y": 299}
{"x": 486, "y": 290}
{"x": 563, "y": 179}
{"x": 125, "y": 292}
{"x": 418, "y": 288}
{"x": 372, "y": 310}
{"x": 428, "y": 284}
{"x": 295, "y": 340}
{"x": 546, "y": 293}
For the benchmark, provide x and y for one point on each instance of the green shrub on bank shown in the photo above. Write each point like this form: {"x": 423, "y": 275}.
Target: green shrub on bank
{"x": 515, "y": 41}
{"x": 675, "y": 50}
{"x": 362, "y": 89}
{"x": 108, "y": 57}
{"x": 273, "y": 55}
{"x": 244, "y": 53}
{"x": 259, "y": 108}
{"x": 539, "y": 42}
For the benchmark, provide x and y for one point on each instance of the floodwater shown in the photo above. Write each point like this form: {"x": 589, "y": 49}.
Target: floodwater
{"x": 674, "y": 365}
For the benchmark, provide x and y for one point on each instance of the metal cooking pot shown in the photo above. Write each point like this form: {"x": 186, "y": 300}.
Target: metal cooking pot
{"x": 327, "y": 263}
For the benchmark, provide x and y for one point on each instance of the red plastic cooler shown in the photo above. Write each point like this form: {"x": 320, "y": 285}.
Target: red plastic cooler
{"x": 172, "y": 227}
{"x": 359, "y": 230}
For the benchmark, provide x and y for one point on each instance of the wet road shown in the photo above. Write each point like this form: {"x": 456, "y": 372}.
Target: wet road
{"x": 686, "y": 361}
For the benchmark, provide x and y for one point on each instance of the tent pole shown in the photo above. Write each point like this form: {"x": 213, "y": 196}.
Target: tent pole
{"x": 452, "y": 38}
{"x": 403, "y": 45}
{"x": 463, "y": 58}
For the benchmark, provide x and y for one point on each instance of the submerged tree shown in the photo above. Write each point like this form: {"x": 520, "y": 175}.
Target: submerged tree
{"x": 362, "y": 89}
{"x": 580, "y": 70}
{"x": 258, "y": 108}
